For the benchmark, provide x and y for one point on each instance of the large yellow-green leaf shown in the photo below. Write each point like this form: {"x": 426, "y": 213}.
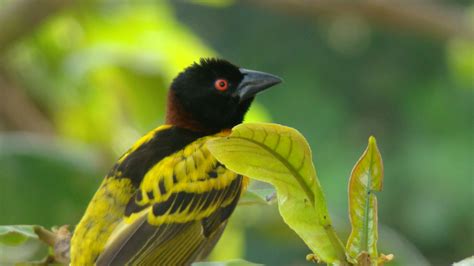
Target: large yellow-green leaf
{"x": 281, "y": 156}
{"x": 366, "y": 178}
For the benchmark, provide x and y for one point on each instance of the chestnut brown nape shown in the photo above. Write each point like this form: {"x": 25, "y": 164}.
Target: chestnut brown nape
{"x": 177, "y": 116}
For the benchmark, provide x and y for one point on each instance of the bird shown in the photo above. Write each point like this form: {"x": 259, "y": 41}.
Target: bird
{"x": 167, "y": 200}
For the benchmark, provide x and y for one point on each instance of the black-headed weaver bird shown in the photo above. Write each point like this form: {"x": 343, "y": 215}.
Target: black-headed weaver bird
{"x": 167, "y": 200}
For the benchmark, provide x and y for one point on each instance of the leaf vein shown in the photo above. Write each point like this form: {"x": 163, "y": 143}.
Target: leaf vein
{"x": 290, "y": 167}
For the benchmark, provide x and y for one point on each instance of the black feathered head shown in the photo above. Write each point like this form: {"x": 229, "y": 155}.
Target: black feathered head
{"x": 214, "y": 94}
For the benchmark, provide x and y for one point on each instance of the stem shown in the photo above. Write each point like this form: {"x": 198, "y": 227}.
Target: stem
{"x": 337, "y": 244}
{"x": 45, "y": 235}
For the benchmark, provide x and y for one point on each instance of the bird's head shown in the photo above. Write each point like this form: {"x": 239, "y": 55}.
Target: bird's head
{"x": 214, "y": 94}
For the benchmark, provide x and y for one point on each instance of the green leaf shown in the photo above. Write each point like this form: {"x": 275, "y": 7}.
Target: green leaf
{"x": 263, "y": 196}
{"x": 237, "y": 262}
{"x": 14, "y": 235}
{"x": 20, "y": 243}
{"x": 28, "y": 245}
{"x": 366, "y": 178}
{"x": 281, "y": 156}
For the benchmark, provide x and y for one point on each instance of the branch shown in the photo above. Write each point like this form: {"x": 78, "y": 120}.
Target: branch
{"x": 428, "y": 17}
{"x": 18, "y": 111}
{"x": 19, "y": 18}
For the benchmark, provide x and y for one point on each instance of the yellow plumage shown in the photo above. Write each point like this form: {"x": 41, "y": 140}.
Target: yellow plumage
{"x": 103, "y": 214}
{"x": 187, "y": 194}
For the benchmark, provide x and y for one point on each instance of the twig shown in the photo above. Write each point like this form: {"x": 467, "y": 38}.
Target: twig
{"x": 18, "y": 111}
{"x": 433, "y": 18}
{"x": 59, "y": 239}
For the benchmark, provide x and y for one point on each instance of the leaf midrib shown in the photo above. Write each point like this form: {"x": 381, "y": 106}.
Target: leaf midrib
{"x": 365, "y": 236}
{"x": 290, "y": 167}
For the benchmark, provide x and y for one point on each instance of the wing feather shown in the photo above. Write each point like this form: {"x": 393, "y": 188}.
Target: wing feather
{"x": 177, "y": 216}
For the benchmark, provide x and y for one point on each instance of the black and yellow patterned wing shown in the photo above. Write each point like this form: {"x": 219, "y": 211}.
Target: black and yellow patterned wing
{"x": 106, "y": 209}
{"x": 178, "y": 213}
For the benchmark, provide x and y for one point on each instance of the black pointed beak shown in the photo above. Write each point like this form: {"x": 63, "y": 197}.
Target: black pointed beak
{"x": 255, "y": 82}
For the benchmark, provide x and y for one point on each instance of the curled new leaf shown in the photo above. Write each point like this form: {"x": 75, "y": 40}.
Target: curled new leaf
{"x": 366, "y": 178}
{"x": 281, "y": 156}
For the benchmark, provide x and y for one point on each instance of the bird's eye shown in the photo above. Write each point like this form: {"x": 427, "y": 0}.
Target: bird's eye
{"x": 221, "y": 84}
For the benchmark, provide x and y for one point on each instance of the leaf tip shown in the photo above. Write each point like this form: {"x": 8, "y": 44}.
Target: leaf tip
{"x": 373, "y": 144}
{"x": 372, "y": 141}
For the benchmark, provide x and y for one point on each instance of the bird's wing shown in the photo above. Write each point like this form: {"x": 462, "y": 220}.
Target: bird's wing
{"x": 179, "y": 212}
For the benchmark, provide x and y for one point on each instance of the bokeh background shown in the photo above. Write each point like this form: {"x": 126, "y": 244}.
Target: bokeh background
{"x": 80, "y": 81}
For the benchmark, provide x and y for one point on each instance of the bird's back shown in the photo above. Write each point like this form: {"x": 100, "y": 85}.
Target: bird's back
{"x": 166, "y": 201}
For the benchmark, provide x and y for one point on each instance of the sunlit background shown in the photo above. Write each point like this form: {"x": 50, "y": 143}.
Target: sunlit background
{"x": 80, "y": 81}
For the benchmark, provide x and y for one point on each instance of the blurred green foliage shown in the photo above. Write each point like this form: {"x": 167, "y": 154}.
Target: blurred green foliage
{"x": 98, "y": 72}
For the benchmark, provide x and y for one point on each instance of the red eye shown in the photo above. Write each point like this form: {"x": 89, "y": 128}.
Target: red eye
{"x": 221, "y": 84}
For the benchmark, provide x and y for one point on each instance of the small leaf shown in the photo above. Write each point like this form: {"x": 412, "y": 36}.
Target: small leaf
{"x": 26, "y": 244}
{"x": 382, "y": 259}
{"x": 19, "y": 243}
{"x": 366, "y": 178}
{"x": 281, "y": 156}
{"x": 14, "y": 235}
